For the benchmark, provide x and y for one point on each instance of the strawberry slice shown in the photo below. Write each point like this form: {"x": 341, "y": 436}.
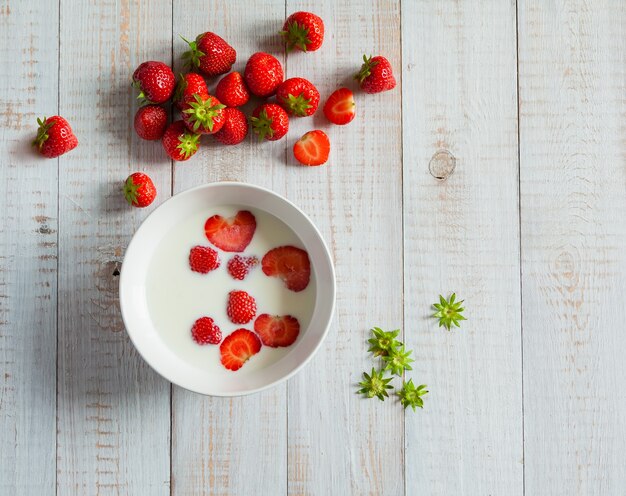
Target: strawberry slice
{"x": 312, "y": 149}
{"x": 238, "y": 348}
{"x": 241, "y": 307}
{"x": 289, "y": 263}
{"x": 238, "y": 266}
{"x": 277, "y": 330}
{"x": 232, "y": 234}
{"x": 340, "y": 107}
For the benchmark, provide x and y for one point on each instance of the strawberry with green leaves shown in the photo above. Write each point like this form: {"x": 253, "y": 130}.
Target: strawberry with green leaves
{"x": 303, "y": 31}
{"x": 203, "y": 114}
{"x": 139, "y": 190}
{"x": 180, "y": 143}
{"x": 376, "y": 75}
{"x": 270, "y": 122}
{"x": 155, "y": 81}
{"x": 298, "y": 97}
{"x": 263, "y": 74}
{"x": 210, "y": 54}
{"x": 54, "y": 137}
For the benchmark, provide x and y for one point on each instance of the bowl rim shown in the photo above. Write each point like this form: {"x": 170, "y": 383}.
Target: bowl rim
{"x": 333, "y": 289}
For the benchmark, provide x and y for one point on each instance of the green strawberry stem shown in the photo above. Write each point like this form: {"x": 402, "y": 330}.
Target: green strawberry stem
{"x": 397, "y": 361}
{"x": 131, "y": 191}
{"x": 412, "y": 396}
{"x": 202, "y": 113}
{"x": 298, "y": 104}
{"x": 192, "y": 56}
{"x": 262, "y": 125}
{"x": 297, "y": 35}
{"x": 366, "y": 68}
{"x": 188, "y": 143}
{"x": 375, "y": 385}
{"x": 383, "y": 343}
{"x": 42, "y": 132}
{"x": 449, "y": 311}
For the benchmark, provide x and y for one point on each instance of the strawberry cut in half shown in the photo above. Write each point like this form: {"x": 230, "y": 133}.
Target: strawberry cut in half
{"x": 340, "y": 108}
{"x": 277, "y": 330}
{"x": 232, "y": 235}
{"x": 206, "y": 331}
{"x": 238, "y": 266}
{"x": 238, "y": 347}
{"x": 312, "y": 149}
{"x": 241, "y": 307}
{"x": 290, "y": 264}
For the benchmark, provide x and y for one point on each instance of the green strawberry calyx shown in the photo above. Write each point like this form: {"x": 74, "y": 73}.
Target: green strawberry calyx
{"x": 449, "y": 311}
{"x": 296, "y": 35}
{"x": 42, "y": 132}
{"x": 262, "y": 125}
{"x": 131, "y": 191}
{"x": 180, "y": 88}
{"x": 192, "y": 56}
{"x": 298, "y": 104}
{"x": 384, "y": 342}
{"x": 410, "y": 395}
{"x": 366, "y": 68}
{"x": 202, "y": 113}
{"x": 141, "y": 97}
{"x": 188, "y": 144}
{"x": 375, "y": 385}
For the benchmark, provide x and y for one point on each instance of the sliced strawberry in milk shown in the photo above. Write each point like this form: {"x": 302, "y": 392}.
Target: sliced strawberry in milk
{"x": 290, "y": 264}
{"x": 277, "y": 330}
{"x": 233, "y": 234}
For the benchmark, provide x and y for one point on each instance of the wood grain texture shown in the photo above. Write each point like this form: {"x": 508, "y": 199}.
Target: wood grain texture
{"x": 231, "y": 446}
{"x": 113, "y": 410}
{"x": 573, "y": 207}
{"x": 340, "y": 443}
{"x": 459, "y": 66}
{"x": 28, "y": 251}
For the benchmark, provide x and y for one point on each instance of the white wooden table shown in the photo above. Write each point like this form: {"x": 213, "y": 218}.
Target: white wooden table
{"x": 528, "y": 398}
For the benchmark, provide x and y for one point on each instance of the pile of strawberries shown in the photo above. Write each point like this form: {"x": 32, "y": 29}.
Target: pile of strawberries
{"x": 288, "y": 263}
{"x": 202, "y": 113}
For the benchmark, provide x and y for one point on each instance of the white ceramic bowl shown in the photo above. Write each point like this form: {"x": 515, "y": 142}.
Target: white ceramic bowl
{"x": 135, "y": 307}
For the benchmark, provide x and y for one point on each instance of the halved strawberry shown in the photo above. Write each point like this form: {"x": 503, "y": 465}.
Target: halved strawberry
{"x": 232, "y": 234}
{"x": 312, "y": 149}
{"x": 239, "y": 266}
{"x": 277, "y": 330}
{"x": 238, "y": 347}
{"x": 241, "y": 307}
{"x": 289, "y": 263}
{"x": 340, "y": 107}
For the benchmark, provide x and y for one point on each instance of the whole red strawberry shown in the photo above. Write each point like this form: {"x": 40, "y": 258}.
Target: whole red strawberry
{"x": 150, "y": 122}
{"x": 211, "y": 54}
{"x": 241, "y": 307}
{"x": 375, "y": 75}
{"x": 189, "y": 84}
{"x": 54, "y": 137}
{"x": 203, "y": 114}
{"x": 155, "y": 81}
{"x": 304, "y": 31}
{"x": 235, "y": 127}
{"x": 139, "y": 190}
{"x": 206, "y": 331}
{"x": 298, "y": 96}
{"x": 203, "y": 259}
{"x": 263, "y": 74}
{"x": 180, "y": 143}
{"x": 270, "y": 121}
{"x": 232, "y": 91}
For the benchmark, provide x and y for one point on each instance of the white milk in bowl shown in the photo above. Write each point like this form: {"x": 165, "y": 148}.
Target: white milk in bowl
{"x": 177, "y": 296}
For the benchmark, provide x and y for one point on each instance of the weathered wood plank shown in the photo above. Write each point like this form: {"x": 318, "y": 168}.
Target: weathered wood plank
{"x": 340, "y": 443}
{"x": 462, "y": 235}
{"x": 573, "y": 205}
{"x": 113, "y": 410}
{"x": 238, "y": 445}
{"x": 28, "y": 250}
